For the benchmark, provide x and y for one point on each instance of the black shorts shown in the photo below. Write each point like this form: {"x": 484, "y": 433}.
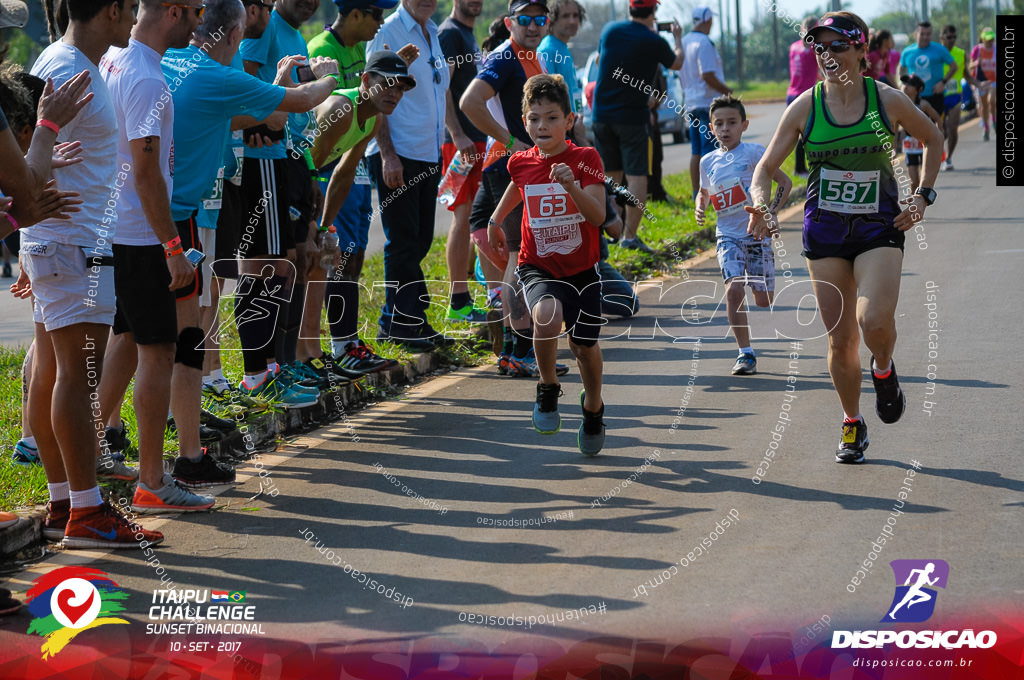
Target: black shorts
{"x": 300, "y": 198}
{"x": 229, "y": 221}
{"x": 266, "y": 227}
{"x": 938, "y": 102}
{"x": 145, "y": 306}
{"x": 580, "y": 295}
{"x": 914, "y": 159}
{"x": 625, "y": 147}
{"x": 850, "y": 251}
{"x": 188, "y": 230}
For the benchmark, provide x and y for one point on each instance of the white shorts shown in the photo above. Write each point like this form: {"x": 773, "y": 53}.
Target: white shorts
{"x": 65, "y": 289}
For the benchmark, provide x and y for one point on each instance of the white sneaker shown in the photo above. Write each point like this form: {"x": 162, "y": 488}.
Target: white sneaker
{"x": 218, "y": 385}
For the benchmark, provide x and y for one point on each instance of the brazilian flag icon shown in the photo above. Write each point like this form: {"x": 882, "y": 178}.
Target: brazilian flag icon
{"x": 237, "y": 596}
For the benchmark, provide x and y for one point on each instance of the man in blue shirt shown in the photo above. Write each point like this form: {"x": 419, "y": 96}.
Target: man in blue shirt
{"x": 928, "y": 61}
{"x": 566, "y": 17}
{"x": 631, "y": 52}
{"x": 405, "y": 165}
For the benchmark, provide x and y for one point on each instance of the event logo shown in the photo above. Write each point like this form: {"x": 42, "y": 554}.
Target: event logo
{"x": 70, "y": 600}
{"x": 914, "y": 601}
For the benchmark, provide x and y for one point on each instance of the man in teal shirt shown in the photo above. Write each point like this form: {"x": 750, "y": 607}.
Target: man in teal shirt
{"x": 566, "y": 17}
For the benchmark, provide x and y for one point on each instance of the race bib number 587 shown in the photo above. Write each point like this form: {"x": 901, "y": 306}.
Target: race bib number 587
{"x": 849, "y": 191}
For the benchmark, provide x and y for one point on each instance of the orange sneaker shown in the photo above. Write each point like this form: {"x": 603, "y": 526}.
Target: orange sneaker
{"x": 8, "y": 519}
{"x": 57, "y": 514}
{"x": 102, "y": 526}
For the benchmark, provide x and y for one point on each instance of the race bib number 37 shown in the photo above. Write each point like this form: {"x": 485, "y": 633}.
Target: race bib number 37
{"x": 849, "y": 191}
{"x": 554, "y": 219}
{"x": 729, "y": 197}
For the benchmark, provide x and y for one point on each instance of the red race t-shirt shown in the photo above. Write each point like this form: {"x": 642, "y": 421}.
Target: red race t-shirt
{"x": 556, "y": 237}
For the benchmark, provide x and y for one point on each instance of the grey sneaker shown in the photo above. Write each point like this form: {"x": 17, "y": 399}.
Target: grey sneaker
{"x": 109, "y": 467}
{"x": 171, "y": 497}
{"x": 746, "y": 364}
{"x": 590, "y": 438}
{"x": 635, "y": 244}
{"x": 545, "y": 411}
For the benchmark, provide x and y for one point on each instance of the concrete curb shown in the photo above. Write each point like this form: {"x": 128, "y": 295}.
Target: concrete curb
{"x": 331, "y": 406}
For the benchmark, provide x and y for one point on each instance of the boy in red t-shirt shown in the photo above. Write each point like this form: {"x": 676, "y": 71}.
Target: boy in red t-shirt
{"x": 563, "y": 186}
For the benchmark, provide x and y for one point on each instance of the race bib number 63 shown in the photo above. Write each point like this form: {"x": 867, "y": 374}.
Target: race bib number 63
{"x": 849, "y": 191}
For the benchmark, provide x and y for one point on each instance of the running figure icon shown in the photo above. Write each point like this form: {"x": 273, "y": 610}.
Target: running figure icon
{"x": 916, "y": 595}
{"x": 917, "y": 582}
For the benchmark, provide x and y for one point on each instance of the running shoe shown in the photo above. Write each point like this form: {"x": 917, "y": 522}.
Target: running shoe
{"x": 108, "y": 467}
{"x": 298, "y": 374}
{"x": 503, "y": 363}
{"x": 215, "y": 422}
{"x": 8, "y": 605}
{"x": 985, "y": 136}
{"x": 330, "y": 368}
{"x": 494, "y": 299}
{"x": 57, "y": 515}
{"x": 590, "y": 438}
{"x": 468, "y": 314}
{"x": 279, "y": 392}
{"x": 946, "y": 166}
{"x": 8, "y": 519}
{"x": 526, "y": 367}
{"x": 171, "y": 497}
{"x": 545, "y": 410}
{"x": 853, "y": 442}
{"x": 358, "y": 358}
{"x": 414, "y": 345}
{"x": 101, "y": 526}
{"x": 218, "y": 386}
{"x": 201, "y": 474}
{"x": 24, "y": 454}
{"x": 635, "y": 244}
{"x": 746, "y": 364}
{"x": 235, "y": 398}
{"x": 890, "y": 401}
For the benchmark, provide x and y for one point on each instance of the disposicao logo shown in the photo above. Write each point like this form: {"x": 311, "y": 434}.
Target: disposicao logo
{"x": 913, "y": 602}
{"x": 70, "y": 600}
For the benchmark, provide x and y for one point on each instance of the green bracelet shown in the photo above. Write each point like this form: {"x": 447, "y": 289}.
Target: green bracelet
{"x": 511, "y": 141}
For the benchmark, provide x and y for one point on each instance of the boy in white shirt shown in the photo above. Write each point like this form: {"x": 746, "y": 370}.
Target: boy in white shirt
{"x": 725, "y": 176}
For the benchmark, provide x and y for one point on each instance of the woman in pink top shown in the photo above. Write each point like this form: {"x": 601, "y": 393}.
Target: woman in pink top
{"x": 803, "y": 74}
{"x": 883, "y": 60}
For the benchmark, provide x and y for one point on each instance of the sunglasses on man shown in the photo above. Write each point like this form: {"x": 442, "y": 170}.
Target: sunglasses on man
{"x": 524, "y": 20}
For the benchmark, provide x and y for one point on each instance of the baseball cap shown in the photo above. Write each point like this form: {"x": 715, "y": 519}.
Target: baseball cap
{"x": 840, "y": 25}
{"x": 637, "y": 4}
{"x": 516, "y": 5}
{"x": 988, "y": 34}
{"x": 13, "y": 14}
{"x": 344, "y": 5}
{"x": 702, "y": 14}
{"x": 388, "y": 64}
{"x": 913, "y": 81}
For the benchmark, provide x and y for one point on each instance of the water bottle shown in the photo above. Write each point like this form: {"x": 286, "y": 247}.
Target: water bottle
{"x": 454, "y": 177}
{"x": 329, "y": 251}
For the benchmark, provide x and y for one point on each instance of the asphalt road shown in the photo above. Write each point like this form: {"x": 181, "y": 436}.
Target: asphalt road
{"x": 685, "y": 441}
{"x": 17, "y": 328}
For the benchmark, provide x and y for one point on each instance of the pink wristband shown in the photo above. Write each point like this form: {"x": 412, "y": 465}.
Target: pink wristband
{"x": 14, "y": 222}
{"x": 48, "y": 124}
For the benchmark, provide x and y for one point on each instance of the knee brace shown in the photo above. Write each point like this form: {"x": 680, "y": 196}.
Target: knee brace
{"x": 190, "y": 348}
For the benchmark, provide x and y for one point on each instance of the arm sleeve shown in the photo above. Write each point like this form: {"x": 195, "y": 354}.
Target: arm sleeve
{"x": 245, "y": 94}
{"x": 495, "y": 69}
{"x": 142, "y": 116}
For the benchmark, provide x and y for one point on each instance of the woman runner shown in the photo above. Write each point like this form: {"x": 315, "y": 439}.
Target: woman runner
{"x": 854, "y": 228}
